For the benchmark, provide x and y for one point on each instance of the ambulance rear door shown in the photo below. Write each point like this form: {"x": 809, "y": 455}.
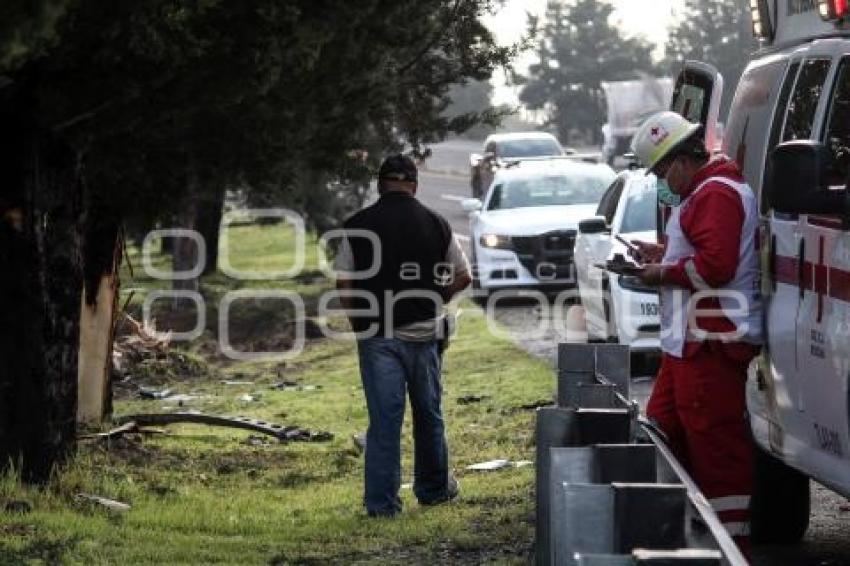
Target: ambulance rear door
{"x": 697, "y": 96}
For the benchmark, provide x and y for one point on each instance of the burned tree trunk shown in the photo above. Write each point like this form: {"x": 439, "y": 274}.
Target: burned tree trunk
{"x": 41, "y": 263}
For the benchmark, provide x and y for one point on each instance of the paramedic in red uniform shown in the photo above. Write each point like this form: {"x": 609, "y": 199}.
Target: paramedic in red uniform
{"x": 711, "y": 312}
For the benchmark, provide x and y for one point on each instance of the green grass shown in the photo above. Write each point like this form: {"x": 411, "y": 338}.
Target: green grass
{"x": 202, "y": 495}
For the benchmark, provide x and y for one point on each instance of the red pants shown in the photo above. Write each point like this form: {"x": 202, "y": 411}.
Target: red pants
{"x": 700, "y": 403}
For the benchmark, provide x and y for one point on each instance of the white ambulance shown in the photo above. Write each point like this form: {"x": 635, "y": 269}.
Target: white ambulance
{"x": 789, "y": 128}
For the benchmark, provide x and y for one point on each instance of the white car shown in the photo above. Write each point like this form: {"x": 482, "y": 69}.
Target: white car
{"x": 524, "y": 231}
{"x": 619, "y": 309}
{"x": 501, "y": 149}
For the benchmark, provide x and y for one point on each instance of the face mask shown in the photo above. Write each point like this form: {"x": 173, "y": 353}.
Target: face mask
{"x": 666, "y": 195}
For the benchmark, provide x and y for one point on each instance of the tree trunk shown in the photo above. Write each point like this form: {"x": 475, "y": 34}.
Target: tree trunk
{"x": 185, "y": 252}
{"x": 41, "y": 263}
{"x": 208, "y": 223}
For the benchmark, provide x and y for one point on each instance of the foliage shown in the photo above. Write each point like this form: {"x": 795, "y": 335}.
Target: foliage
{"x": 718, "y": 32}
{"x": 579, "y": 49}
{"x": 266, "y": 95}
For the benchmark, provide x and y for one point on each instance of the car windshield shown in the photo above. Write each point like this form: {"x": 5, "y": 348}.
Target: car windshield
{"x": 549, "y": 190}
{"x": 640, "y": 207}
{"x": 529, "y": 148}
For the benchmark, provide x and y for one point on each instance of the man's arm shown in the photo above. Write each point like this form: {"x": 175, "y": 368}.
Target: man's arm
{"x": 460, "y": 267}
{"x": 458, "y": 284}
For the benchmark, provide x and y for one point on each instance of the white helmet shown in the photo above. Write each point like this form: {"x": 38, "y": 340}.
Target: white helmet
{"x": 658, "y": 135}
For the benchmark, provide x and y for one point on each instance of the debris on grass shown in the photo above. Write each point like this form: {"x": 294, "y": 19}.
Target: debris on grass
{"x": 500, "y": 464}
{"x": 489, "y": 466}
{"x": 282, "y": 433}
{"x": 144, "y": 356}
{"x": 150, "y": 393}
{"x": 228, "y": 382}
{"x": 359, "y": 441}
{"x": 110, "y": 504}
{"x": 470, "y": 399}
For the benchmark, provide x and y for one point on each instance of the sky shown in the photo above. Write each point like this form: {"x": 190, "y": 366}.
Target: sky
{"x": 649, "y": 18}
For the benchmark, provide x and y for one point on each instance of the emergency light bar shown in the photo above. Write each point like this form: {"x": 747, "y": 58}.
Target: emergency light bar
{"x": 762, "y": 26}
{"x": 832, "y": 9}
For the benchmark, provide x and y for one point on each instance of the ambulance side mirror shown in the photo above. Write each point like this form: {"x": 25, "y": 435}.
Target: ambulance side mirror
{"x": 798, "y": 181}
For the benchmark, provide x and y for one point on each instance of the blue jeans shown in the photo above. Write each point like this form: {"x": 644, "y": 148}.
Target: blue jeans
{"x": 388, "y": 367}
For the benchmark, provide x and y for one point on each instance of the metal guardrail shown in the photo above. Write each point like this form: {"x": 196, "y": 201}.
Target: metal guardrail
{"x": 602, "y": 497}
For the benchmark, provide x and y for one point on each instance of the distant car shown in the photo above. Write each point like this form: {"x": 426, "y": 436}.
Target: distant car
{"x": 619, "y": 308}
{"x": 524, "y": 230}
{"x": 500, "y": 149}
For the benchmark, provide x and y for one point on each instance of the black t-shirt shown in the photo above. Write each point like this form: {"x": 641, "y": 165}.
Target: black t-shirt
{"x": 414, "y": 242}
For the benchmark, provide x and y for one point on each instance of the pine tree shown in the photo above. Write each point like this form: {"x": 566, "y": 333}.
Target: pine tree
{"x": 718, "y": 32}
{"x": 579, "y": 49}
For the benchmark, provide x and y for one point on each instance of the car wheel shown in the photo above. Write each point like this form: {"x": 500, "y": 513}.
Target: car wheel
{"x": 780, "y": 503}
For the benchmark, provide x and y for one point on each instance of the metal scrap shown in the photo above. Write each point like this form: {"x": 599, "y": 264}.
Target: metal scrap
{"x": 282, "y": 433}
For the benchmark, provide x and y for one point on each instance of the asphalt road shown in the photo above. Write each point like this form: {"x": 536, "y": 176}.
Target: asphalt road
{"x": 443, "y": 185}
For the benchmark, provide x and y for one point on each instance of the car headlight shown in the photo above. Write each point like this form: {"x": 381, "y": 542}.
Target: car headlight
{"x": 495, "y": 241}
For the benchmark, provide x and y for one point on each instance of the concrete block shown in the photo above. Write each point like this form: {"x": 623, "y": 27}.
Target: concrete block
{"x": 570, "y": 466}
{"x": 649, "y": 516}
{"x": 603, "y": 426}
{"x": 587, "y": 523}
{"x": 555, "y": 428}
{"x": 626, "y": 463}
{"x": 597, "y": 396}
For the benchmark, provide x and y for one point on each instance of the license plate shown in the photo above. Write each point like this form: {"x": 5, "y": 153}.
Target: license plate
{"x": 649, "y": 309}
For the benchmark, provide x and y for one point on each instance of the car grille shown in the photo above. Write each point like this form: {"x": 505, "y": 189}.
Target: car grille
{"x": 549, "y": 256}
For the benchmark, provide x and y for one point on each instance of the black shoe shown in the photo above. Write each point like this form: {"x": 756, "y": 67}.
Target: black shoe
{"x": 452, "y": 491}
{"x": 387, "y": 514}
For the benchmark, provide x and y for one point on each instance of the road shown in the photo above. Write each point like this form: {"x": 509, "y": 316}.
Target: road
{"x": 443, "y": 185}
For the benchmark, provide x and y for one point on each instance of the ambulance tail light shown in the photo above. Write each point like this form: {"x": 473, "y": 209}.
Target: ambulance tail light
{"x": 831, "y": 10}
{"x": 762, "y": 26}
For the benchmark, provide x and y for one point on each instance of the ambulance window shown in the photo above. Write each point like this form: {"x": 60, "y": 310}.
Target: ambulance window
{"x": 838, "y": 128}
{"x": 691, "y": 95}
{"x": 804, "y": 103}
{"x": 778, "y": 121}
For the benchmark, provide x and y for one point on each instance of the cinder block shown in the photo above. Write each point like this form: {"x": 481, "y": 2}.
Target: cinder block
{"x": 597, "y": 396}
{"x": 554, "y": 428}
{"x": 604, "y": 426}
{"x": 627, "y": 463}
{"x": 579, "y": 364}
{"x": 588, "y": 522}
{"x": 571, "y": 466}
{"x": 649, "y": 516}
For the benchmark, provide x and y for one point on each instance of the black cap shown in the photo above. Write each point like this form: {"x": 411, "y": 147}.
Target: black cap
{"x": 398, "y": 167}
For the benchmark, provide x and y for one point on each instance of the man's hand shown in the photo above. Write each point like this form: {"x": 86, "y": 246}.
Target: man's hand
{"x": 652, "y": 274}
{"x": 647, "y": 252}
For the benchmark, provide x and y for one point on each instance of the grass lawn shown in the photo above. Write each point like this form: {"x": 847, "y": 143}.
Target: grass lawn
{"x": 204, "y": 495}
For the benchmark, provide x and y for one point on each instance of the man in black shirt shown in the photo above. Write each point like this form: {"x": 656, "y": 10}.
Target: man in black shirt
{"x": 398, "y": 279}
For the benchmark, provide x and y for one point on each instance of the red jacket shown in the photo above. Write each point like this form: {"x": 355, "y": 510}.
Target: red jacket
{"x": 712, "y": 223}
